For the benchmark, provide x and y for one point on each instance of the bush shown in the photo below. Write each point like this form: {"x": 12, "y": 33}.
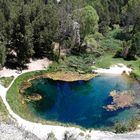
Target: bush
{"x": 136, "y": 43}
{"x": 126, "y": 127}
{"x": 74, "y": 63}
{"x": 68, "y": 136}
{"x": 98, "y": 36}
{"x": 5, "y": 81}
{"x": 51, "y": 136}
{"x": 133, "y": 124}
{"x": 91, "y": 42}
{"x": 120, "y": 128}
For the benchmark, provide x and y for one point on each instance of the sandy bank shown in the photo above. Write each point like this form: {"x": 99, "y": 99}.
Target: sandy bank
{"x": 34, "y": 65}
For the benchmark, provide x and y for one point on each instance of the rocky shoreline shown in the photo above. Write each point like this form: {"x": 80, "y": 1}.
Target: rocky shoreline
{"x": 12, "y": 132}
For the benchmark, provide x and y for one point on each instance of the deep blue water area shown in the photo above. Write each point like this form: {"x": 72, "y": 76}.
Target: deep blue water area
{"x": 81, "y": 102}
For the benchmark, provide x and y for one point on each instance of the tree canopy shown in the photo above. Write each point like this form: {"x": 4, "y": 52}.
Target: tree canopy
{"x": 28, "y": 28}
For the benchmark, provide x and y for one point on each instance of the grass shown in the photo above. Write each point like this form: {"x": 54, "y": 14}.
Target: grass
{"x": 5, "y": 81}
{"x": 111, "y": 44}
{"x": 14, "y": 97}
{"x": 107, "y": 60}
{"x": 3, "y": 112}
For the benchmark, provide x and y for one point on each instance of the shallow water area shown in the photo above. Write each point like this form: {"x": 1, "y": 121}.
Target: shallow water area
{"x": 81, "y": 102}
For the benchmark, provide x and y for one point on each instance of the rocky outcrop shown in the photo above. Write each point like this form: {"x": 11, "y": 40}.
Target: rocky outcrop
{"x": 120, "y": 100}
{"x": 76, "y": 33}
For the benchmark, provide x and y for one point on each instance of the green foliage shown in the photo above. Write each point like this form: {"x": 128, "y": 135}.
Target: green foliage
{"x": 133, "y": 124}
{"x": 133, "y": 10}
{"x": 106, "y": 60}
{"x": 81, "y": 64}
{"x": 123, "y": 127}
{"x": 2, "y": 54}
{"x": 28, "y": 28}
{"x": 110, "y": 43}
{"x": 120, "y": 128}
{"x": 136, "y": 43}
{"x": 90, "y": 41}
{"x": 88, "y": 19}
{"x": 45, "y": 30}
{"x": 97, "y": 36}
{"x": 103, "y": 12}
{"x": 3, "y": 112}
{"x": 5, "y": 81}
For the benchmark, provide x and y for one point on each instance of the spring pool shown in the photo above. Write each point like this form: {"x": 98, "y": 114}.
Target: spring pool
{"x": 82, "y": 102}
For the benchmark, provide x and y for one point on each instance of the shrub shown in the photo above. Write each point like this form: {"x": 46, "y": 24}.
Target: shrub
{"x": 120, "y": 128}
{"x": 126, "y": 127}
{"x": 133, "y": 124}
{"x": 73, "y": 63}
{"x": 98, "y": 36}
{"x": 51, "y": 136}
{"x": 91, "y": 42}
{"x": 5, "y": 81}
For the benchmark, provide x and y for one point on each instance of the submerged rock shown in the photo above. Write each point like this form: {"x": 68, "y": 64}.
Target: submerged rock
{"x": 120, "y": 100}
{"x": 25, "y": 85}
{"x": 35, "y": 97}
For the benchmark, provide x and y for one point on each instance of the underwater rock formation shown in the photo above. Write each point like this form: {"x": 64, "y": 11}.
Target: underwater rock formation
{"x": 35, "y": 97}
{"x": 120, "y": 100}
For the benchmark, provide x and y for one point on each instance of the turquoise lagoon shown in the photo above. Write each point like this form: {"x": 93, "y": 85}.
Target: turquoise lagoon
{"x": 81, "y": 102}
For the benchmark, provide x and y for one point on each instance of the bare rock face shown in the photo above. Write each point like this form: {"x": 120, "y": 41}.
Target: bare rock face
{"x": 76, "y": 32}
{"x": 120, "y": 100}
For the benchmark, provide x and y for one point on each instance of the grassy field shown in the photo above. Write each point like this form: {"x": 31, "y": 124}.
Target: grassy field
{"x": 107, "y": 60}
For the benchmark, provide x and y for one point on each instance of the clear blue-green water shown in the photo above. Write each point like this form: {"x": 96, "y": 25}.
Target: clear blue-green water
{"x": 81, "y": 102}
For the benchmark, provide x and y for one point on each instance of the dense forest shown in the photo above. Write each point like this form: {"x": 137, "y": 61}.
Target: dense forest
{"x": 47, "y": 28}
